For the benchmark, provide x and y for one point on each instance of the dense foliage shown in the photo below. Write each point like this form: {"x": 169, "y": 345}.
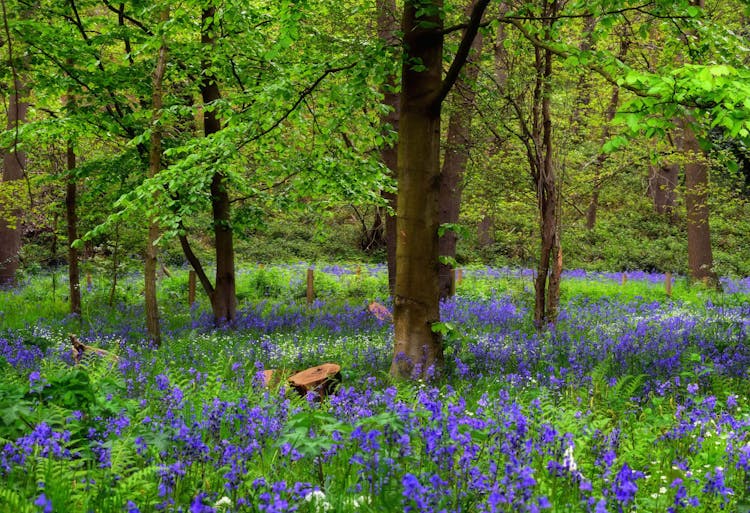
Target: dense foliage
{"x": 635, "y": 402}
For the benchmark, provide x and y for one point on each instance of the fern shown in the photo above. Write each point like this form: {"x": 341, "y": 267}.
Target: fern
{"x": 139, "y": 484}
{"x": 10, "y": 500}
{"x": 624, "y": 389}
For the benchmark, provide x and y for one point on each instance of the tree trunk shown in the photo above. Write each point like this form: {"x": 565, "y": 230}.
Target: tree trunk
{"x": 418, "y": 349}
{"x": 485, "y": 235}
{"x": 700, "y": 256}
{"x": 547, "y": 283}
{"x": 387, "y": 32}
{"x": 609, "y": 115}
{"x": 454, "y": 164}
{"x": 154, "y": 165}
{"x": 224, "y": 299}
{"x": 662, "y": 184}
{"x": 72, "y": 221}
{"x": 14, "y": 163}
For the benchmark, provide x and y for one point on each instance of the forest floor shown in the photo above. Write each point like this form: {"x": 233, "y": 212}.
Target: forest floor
{"x": 637, "y": 400}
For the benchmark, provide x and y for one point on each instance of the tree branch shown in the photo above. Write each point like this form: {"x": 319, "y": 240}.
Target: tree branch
{"x": 195, "y": 263}
{"x": 463, "y": 50}
{"x": 304, "y": 94}
{"x": 132, "y": 20}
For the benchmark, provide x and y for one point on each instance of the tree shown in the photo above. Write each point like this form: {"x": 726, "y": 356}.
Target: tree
{"x": 222, "y": 293}
{"x": 71, "y": 217}
{"x": 154, "y": 165}
{"x": 14, "y": 164}
{"x": 387, "y": 33}
{"x": 418, "y": 350}
{"x": 455, "y": 157}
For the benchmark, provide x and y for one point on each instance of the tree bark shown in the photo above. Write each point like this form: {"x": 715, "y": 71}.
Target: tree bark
{"x": 224, "y": 298}
{"x": 416, "y": 303}
{"x": 547, "y": 283}
{"x": 418, "y": 350}
{"x": 154, "y": 165}
{"x": 662, "y": 184}
{"x": 700, "y": 255}
{"x": 71, "y": 216}
{"x": 14, "y": 164}
{"x": 458, "y": 144}
{"x": 387, "y": 32}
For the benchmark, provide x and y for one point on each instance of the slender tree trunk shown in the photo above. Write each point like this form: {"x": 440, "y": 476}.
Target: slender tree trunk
{"x": 387, "y": 32}
{"x": 582, "y": 105}
{"x": 456, "y": 156}
{"x": 609, "y": 115}
{"x": 154, "y": 165}
{"x": 224, "y": 298}
{"x": 71, "y": 215}
{"x": 14, "y": 163}
{"x": 547, "y": 283}
{"x": 115, "y": 264}
{"x": 416, "y": 303}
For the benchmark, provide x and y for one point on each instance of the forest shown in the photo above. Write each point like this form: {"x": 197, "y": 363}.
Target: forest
{"x": 418, "y": 255}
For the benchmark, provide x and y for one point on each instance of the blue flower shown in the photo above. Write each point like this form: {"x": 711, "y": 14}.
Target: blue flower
{"x": 43, "y": 502}
{"x": 197, "y": 506}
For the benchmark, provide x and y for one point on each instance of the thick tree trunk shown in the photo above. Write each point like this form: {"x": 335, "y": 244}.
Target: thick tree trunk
{"x": 154, "y": 165}
{"x": 224, "y": 298}
{"x": 387, "y": 32}
{"x": 71, "y": 216}
{"x": 418, "y": 349}
{"x": 456, "y": 156}
{"x": 700, "y": 256}
{"x": 593, "y": 207}
{"x": 14, "y": 163}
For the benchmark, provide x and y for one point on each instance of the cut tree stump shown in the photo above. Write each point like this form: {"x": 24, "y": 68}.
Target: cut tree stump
{"x": 321, "y": 380}
{"x": 272, "y": 377}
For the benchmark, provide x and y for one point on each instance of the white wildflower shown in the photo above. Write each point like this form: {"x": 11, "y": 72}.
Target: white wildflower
{"x": 224, "y": 501}
{"x": 318, "y": 498}
{"x": 568, "y": 461}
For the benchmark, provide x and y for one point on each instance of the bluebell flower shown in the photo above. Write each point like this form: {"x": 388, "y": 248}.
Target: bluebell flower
{"x": 44, "y": 503}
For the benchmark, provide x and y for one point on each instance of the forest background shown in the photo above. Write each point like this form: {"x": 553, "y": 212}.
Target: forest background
{"x": 598, "y": 135}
